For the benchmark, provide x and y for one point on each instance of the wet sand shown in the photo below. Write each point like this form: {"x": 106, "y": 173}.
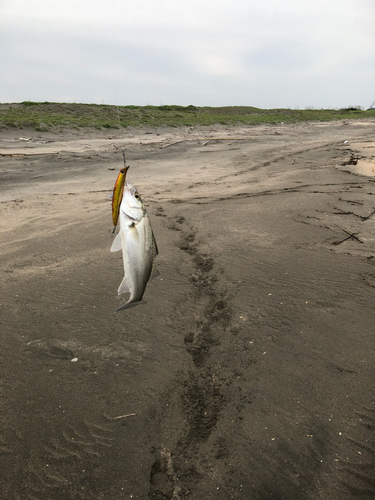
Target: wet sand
{"x": 249, "y": 374}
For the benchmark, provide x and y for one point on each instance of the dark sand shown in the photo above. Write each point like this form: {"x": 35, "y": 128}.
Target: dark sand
{"x": 248, "y": 375}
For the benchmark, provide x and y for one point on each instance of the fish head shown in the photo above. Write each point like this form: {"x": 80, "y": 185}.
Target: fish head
{"x": 132, "y": 204}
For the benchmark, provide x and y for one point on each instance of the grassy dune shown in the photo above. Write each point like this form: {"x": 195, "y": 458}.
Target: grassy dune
{"x": 48, "y": 115}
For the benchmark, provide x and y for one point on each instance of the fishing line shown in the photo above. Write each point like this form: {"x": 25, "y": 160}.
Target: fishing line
{"x": 118, "y": 113}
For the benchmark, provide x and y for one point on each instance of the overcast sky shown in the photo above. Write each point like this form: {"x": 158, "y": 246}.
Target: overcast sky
{"x": 264, "y": 53}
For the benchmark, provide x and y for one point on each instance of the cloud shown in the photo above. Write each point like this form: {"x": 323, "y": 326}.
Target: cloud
{"x": 273, "y": 53}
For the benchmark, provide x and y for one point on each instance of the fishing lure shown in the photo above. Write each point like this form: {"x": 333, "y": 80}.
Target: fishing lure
{"x": 118, "y": 192}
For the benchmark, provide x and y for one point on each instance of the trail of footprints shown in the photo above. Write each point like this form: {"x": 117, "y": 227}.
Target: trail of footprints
{"x": 202, "y": 398}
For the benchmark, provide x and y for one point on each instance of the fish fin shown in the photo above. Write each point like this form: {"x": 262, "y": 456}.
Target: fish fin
{"x": 117, "y": 244}
{"x": 128, "y": 305}
{"x": 155, "y": 250}
{"x": 134, "y": 232}
{"x": 124, "y": 287}
{"x": 154, "y": 273}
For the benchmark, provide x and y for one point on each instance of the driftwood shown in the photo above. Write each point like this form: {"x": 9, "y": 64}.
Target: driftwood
{"x": 171, "y": 144}
{"x": 351, "y": 235}
{"x": 365, "y": 218}
{"x": 28, "y": 154}
{"x": 362, "y": 217}
{"x": 225, "y": 138}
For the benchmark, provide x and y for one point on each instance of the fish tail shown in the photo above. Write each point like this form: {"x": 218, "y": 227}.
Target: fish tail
{"x": 129, "y": 304}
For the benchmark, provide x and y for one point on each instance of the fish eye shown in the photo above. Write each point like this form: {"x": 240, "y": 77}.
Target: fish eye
{"x": 137, "y": 196}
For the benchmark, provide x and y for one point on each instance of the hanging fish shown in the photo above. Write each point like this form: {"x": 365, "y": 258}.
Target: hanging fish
{"x": 118, "y": 192}
{"x": 138, "y": 245}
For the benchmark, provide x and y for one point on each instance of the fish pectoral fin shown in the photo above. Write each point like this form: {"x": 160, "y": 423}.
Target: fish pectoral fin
{"x": 134, "y": 232}
{"x": 116, "y": 245}
{"x": 124, "y": 287}
{"x": 154, "y": 274}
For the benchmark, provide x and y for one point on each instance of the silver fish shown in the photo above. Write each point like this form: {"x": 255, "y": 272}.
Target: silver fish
{"x": 138, "y": 245}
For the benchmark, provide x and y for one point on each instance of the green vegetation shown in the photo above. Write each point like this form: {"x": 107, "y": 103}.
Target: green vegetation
{"x": 45, "y": 116}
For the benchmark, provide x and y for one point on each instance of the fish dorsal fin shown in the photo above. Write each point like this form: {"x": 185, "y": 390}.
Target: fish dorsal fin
{"x": 116, "y": 245}
{"x": 124, "y": 287}
{"x": 154, "y": 273}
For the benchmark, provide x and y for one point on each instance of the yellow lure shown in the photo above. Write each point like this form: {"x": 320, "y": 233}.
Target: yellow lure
{"x": 118, "y": 192}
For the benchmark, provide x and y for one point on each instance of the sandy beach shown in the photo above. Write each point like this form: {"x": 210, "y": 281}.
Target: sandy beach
{"x": 249, "y": 374}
